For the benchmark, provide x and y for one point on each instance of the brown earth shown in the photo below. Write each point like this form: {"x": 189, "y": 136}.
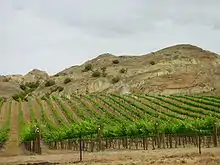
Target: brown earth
{"x": 8, "y": 89}
{"x": 187, "y": 156}
{"x": 11, "y": 147}
{"x": 176, "y": 69}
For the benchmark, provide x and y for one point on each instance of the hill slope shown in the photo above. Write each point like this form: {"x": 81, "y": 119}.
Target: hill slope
{"x": 177, "y": 69}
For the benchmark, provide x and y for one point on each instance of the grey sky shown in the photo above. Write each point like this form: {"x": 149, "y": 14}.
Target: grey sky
{"x": 54, "y": 34}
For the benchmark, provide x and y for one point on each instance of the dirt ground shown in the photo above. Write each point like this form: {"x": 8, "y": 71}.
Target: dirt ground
{"x": 189, "y": 156}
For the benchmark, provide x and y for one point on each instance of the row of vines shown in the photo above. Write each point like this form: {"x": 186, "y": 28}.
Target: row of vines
{"x": 5, "y": 127}
{"x": 114, "y": 115}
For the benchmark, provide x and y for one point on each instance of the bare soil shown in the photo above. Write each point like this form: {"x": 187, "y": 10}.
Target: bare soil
{"x": 60, "y": 112}
{"x": 11, "y": 146}
{"x": 36, "y": 109}
{"x": 190, "y": 156}
{"x": 70, "y": 108}
{"x": 4, "y": 112}
{"x": 26, "y": 111}
{"x": 48, "y": 112}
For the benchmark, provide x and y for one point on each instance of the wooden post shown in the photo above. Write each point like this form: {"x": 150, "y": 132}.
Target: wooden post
{"x": 215, "y": 135}
{"x": 199, "y": 141}
{"x": 156, "y": 134}
{"x": 80, "y": 148}
{"x": 100, "y": 136}
{"x": 37, "y": 142}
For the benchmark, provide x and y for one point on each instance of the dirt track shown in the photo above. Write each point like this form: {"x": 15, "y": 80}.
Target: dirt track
{"x": 155, "y": 157}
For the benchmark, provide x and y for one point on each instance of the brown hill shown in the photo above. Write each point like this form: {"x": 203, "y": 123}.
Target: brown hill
{"x": 177, "y": 69}
{"x": 8, "y": 89}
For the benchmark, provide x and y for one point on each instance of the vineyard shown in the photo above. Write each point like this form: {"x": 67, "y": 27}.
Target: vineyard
{"x": 60, "y": 118}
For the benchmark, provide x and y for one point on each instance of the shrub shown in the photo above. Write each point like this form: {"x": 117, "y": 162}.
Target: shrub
{"x": 60, "y": 74}
{"x": 152, "y": 62}
{"x": 104, "y": 74}
{"x": 115, "y": 62}
{"x": 87, "y": 68}
{"x": 23, "y": 87}
{"x": 103, "y": 69}
{"x": 67, "y": 80}
{"x": 29, "y": 86}
{"x": 33, "y": 84}
{"x": 56, "y": 88}
{"x": 6, "y": 79}
{"x": 20, "y": 96}
{"x": 123, "y": 70}
{"x": 60, "y": 89}
{"x": 115, "y": 79}
{"x": 96, "y": 74}
{"x": 16, "y": 97}
{"x": 49, "y": 83}
{"x": 45, "y": 96}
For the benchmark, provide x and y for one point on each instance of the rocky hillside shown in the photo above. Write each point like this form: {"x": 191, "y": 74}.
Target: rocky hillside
{"x": 177, "y": 69}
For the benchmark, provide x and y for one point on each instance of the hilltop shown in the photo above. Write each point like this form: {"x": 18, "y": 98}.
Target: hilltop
{"x": 184, "y": 68}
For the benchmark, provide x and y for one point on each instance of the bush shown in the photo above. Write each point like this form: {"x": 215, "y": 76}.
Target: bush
{"x": 29, "y": 86}
{"x": 60, "y": 89}
{"x": 67, "y": 80}
{"x": 20, "y": 96}
{"x": 123, "y": 70}
{"x": 56, "y": 88}
{"x": 115, "y": 62}
{"x": 33, "y": 84}
{"x": 104, "y": 74}
{"x": 87, "y": 68}
{"x": 60, "y": 74}
{"x": 23, "y": 87}
{"x": 152, "y": 62}
{"x": 103, "y": 69}
{"x": 6, "y": 79}
{"x": 45, "y": 96}
{"x": 49, "y": 83}
{"x": 115, "y": 79}
{"x": 96, "y": 74}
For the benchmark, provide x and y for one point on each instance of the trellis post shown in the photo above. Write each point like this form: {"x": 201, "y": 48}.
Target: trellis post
{"x": 37, "y": 140}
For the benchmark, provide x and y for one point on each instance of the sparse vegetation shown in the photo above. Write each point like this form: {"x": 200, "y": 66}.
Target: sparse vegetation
{"x": 30, "y": 86}
{"x": 33, "y": 84}
{"x": 23, "y": 87}
{"x": 123, "y": 70}
{"x": 45, "y": 96}
{"x": 87, "y": 68}
{"x": 49, "y": 83}
{"x": 115, "y": 79}
{"x": 152, "y": 62}
{"x": 56, "y": 88}
{"x": 115, "y": 61}
{"x": 60, "y": 88}
{"x": 104, "y": 74}
{"x": 96, "y": 73}
{"x": 21, "y": 96}
{"x": 67, "y": 80}
{"x": 60, "y": 74}
{"x": 6, "y": 79}
{"x": 103, "y": 69}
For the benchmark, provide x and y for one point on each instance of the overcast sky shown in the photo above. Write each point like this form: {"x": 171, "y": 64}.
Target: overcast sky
{"x": 55, "y": 34}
